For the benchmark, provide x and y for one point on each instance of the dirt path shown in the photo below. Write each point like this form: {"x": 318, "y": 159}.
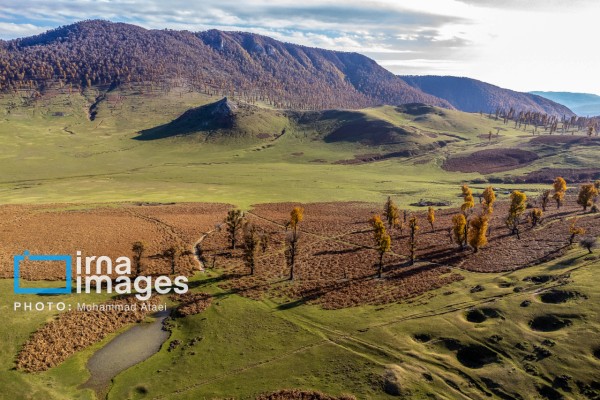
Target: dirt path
{"x": 196, "y": 249}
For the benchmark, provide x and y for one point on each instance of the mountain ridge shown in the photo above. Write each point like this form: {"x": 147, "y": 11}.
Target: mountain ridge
{"x": 259, "y": 69}
{"x": 94, "y": 53}
{"x": 472, "y": 95}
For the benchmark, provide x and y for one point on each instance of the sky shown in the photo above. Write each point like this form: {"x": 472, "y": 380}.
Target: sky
{"x": 521, "y": 45}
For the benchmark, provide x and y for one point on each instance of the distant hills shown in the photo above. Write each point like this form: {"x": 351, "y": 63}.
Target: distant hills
{"x": 471, "y": 95}
{"x": 254, "y": 67}
{"x": 583, "y": 104}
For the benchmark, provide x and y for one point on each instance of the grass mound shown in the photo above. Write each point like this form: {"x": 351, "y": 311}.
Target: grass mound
{"x": 549, "y": 323}
{"x": 222, "y": 120}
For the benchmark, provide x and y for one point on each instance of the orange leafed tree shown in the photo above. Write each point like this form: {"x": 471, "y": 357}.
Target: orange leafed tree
{"x": 468, "y": 200}
{"x": 459, "y": 223}
{"x": 575, "y": 230}
{"x": 535, "y": 216}
{"x": 385, "y": 244}
{"x": 560, "y": 187}
{"x": 587, "y": 194}
{"x": 431, "y": 218}
{"x": 517, "y": 207}
{"x": 296, "y": 216}
{"x": 478, "y": 231}
{"x": 383, "y": 241}
{"x": 391, "y": 212}
{"x": 489, "y": 197}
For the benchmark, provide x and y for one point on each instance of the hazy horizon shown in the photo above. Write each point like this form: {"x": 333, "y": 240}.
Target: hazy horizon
{"x": 537, "y": 46}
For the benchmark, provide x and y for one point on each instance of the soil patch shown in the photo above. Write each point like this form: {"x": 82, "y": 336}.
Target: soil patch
{"x": 430, "y": 203}
{"x": 547, "y": 175}
{"x": 53, "y": 229}
{"x": 296, "y": 394}
{"x": 565, "y": 139}
{"x": 549, "y": 323}
{"x": 476, "y": 356}
{"x": 597, "y": 353}
{"x": 367, "y": 158}
{"x": 490, "y": 160}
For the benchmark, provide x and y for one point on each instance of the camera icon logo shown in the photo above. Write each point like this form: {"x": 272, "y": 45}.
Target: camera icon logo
{"x": 67, "y": 259}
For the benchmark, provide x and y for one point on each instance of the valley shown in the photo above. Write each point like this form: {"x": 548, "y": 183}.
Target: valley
{"x": 52, "y": 152}
{"x": 346, "y": 233}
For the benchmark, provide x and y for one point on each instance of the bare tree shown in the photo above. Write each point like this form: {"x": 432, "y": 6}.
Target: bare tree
{"x": 138, "y": 249}
{"x": 234, "y": 221}
{"x": 291, "y": 250}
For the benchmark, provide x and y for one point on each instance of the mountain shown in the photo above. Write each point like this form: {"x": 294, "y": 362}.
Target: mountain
{"x": 584, "y": 104}
{"x": 471, "y": 95}
{"x": 103, "y": 54}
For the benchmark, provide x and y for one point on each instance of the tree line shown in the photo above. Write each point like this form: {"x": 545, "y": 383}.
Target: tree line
{"x": 471, "y": 226}
{"x": 549, "y": 123}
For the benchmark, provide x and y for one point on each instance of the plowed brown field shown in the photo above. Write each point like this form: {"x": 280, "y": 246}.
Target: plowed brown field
{"x": 336, "y": 264}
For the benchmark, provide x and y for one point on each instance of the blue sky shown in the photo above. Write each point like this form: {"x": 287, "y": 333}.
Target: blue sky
{"x": 522, "y": 45}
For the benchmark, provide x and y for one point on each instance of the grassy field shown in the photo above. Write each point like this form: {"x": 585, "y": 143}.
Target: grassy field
{"x": 53, "y": 153}
{"x": 248, "y": 347}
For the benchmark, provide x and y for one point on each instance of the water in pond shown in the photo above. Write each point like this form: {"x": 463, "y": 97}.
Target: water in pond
{"x": 127, "y": 349}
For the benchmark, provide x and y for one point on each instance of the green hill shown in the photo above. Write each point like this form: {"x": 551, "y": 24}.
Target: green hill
{"x": 222, "y": 121}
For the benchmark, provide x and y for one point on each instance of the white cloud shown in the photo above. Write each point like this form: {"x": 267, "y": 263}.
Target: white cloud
{"x": 9, "y": 30}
